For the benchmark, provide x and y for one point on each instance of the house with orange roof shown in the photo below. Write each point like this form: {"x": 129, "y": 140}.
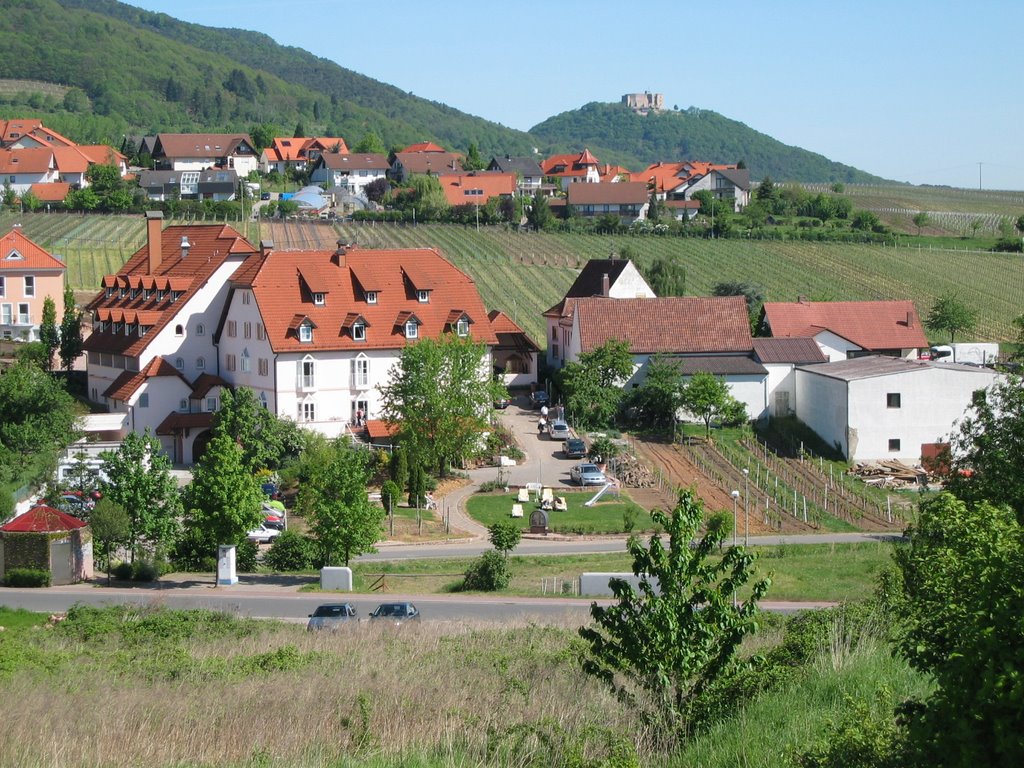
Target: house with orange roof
{"x": 431, "y": 162}
{"x": 20, "y": 133}
{"x": 677, "y": 183}
{"x": 612, "y": 174}
{"x": 21, "y": 168}
{"x": 199, "y": 151}
{"x": 628, "y": 200}
{"x": 299, "y": 153}
{"x": 573, "y": 168}
{"x": 28, "y": 275}
{"x": 154, "y": 327}
{"x": 316, "y": 333}
{"x": 476, "y": 187}
{"x": 846, "y": 329}
{"x": 424, "y": 146}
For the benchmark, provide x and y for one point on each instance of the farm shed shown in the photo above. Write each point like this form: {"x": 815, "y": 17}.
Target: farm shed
{"x": 47, "y": 539}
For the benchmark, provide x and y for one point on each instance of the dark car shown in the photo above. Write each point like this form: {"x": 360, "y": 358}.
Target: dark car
{"x": 574, "y": 448}
{"x": 265, "y": 196}
{"x": 396, "y": 612}
{"x": 331, "y": 616}
{"x": 538, "y": 398}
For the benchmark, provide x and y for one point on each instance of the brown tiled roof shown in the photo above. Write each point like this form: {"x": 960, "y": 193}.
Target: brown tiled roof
{"x": 355, "y": 161}
{"x": 54, "y": 192}
{"x": 868, "y": 324}
{"x": 211, "y": 245}
{"x": 32, "y": 160}
{"x": 176, "y": 422}
{"x": 620, "y": 193}
{"x": 509, "y": 333}
{"x": 204, "y": 383}
{"x": 719, "y": 365}
{"x": 429, "y": 162}
{"x": 283, "y": 303}
{"x": 798, "y": 351}
{"x": 676, "y": 324}
{"x": 32, "y": 256}
{"x": 125, "y": 385}
{"x": 208, "y": 145}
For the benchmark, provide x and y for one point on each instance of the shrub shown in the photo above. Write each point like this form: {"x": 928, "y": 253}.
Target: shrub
{"x": 292, "y": 552}
{"x": 488, "y": 573}
{"x": 27, "y": 577}
{"x": 245, "y": 556}
{"x": 390, "y": 495}
{"x": 144, "y": 570}
{"x": 122, "y": 571}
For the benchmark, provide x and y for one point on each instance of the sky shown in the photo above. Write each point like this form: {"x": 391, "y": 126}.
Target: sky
{"x": 923, "y": 92}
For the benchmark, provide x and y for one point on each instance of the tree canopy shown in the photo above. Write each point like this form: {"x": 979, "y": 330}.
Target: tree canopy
{"x": 950, "y": 314}
{"x": 708, "y": 398}
{"x": 224, "y": 500}
{"x": 592, "y": 386}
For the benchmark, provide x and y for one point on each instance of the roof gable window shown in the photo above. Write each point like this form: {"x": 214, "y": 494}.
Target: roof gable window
{"x": 305, "y": 332}
{"x": 14, "y": 256}
{"x": 462, "y": 327}
{"x": 371, "y": 297}
{"x": 319, "y": 299}
{"x": 359, "y": 331}
{"x": 423, "y": 296}
{"x": 412, "y": 328}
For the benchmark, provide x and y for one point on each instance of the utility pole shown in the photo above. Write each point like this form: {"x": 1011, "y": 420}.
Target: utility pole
{"x": 979, "y": 177}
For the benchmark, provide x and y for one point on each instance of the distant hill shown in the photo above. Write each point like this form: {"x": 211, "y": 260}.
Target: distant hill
{"x": 122, "y": 70}
{"x": 615, "y": 134}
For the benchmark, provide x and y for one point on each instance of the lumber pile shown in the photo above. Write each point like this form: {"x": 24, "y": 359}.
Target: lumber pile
{"x": 635, "y": 474}
{"x": 889, "y": 473}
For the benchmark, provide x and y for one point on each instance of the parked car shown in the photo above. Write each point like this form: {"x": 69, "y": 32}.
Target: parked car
{"x": 574, "y": 448}
{"x": 270, "y": 489}
{"x": 396, "y": 612}
{"x": 265, "y": 196}
{"x": 559, "y": 430}
{"x": 538, "y": 398}
{"x": 587, "y": 474}
{"x": 331, "y": 616}
{"x": 262, "y": 534}
{"x": 502, "y": 403}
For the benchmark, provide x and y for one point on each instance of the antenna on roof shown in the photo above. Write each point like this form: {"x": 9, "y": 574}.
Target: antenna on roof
{"x": 185, "y": 245}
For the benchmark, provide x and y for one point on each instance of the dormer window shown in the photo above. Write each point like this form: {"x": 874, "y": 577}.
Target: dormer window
{"x": 412, "y": 329}
{"x": 109, "y": 293}
{"x": 122, "y": 293}
{"x": 462, "y": 327}
{"x": 319, "y": 299}
{"x": 135, "y": 293}
{"x": 422, "y": 296}
{"x": 179, "y": 330}
{"x": 371, "y": 297}
{"x": 305, "y": 332}
{"x": 359, "y": 331}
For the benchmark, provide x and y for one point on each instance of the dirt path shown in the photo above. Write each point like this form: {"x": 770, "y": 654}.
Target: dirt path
{"x": 680, "y": 471}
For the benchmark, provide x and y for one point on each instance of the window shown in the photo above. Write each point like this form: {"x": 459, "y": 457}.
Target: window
{"x": 263, "y": 400}
{"x": 200, "y": 329}
{"x": 308, "y": 373}
{"x": 371, "y": 297}
{"x": 892, "y": 400}
{"x": 229, "y": 362}
{"x": 305, "y": 332}
{"x": 308, "y": 411}
{"x": 144, "y": 400}
{"x": 263, "y": 366}
{"x": 422, "y": 296}
{"x": 412, "y": 329}
{"x": 246, "y": 361}
{"x": 211, "y": 404}
{"x": 361, "y": 372}
{"x": 30, "y": 285}
{"x": 23, "y": 314}
{"x": 894, "y": 444}
{"x": 183, "y": 405}
{"x": 246, "y": 297}
{"x": 554, "y": 333}
{"x": 261, "y": 333}
{"x": 7, "y": 314}
{"x": 319, "y": 299}
{"x": 179, "y": 363}
{"x": 3, "y": 285}
{"x": 179, "y": 330}
{"x": 247, "y": 330}
{"x": 200, "y": 363}
{"x": 462, "y": 327}
{"x": 232, "y": 329}
{"x": 359, "y": 331}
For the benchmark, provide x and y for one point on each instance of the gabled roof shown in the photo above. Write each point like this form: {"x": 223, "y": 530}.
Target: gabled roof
{"x": 326, "y": 145}
{"x": 665, "y": 177}
{"x": 719, "y": 365}
{"x": 175, "y": 422}
{"x": 622, "y": 193}
{"x": 352, "y": 162}
{"x": 13, "y": 130}
{"x": 393, "y": 274}
{"x": 70, "y": 160}
{"x": 797, "y": 351}
{"x": 573, "y": 164}
{"x": 509, "y": 334}
{"x": 204, "y": 383}
{"x": 424, "y": 146}
{"x": 429, "y": 162}
{"x": 34, "y": 160}
{"x": 17, "y": 252}
{"x": 868, "y": 324}
{"x": 43, "y": 519}
{"x": 210, "y": 246}
{"x": 476, "y": 187}
{"x": 205, "y": 145}
{"x": 525, "y": 166}
{"x": 102, "y": 154}
{"x": 612, "y": 174}
{"x": 54, "y": 192}
{"x": 128, "y": 382}
{"x": 676, "y": 324}
{"x": 590, "y": 280}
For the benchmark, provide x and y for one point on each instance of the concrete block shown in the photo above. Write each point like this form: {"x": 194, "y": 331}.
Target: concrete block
{"x": 336, "y": 579}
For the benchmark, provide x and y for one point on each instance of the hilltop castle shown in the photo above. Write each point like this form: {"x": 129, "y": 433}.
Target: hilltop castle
{"x": 645, "y": 102}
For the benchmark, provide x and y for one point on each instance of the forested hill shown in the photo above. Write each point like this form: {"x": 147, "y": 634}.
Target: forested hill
{"x": 617, "y": 135}
{"x": 144, "y": 72}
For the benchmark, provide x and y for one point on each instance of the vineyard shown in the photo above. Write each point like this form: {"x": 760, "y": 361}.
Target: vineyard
{"x": 525, "y": 273}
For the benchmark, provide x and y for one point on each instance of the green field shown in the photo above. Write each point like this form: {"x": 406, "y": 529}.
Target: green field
{"x": 604, "y": 517}
{"x": 525, "y": 273}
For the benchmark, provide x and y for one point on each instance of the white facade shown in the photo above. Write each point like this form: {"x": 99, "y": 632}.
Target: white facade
{"x": 886, "y": 415}
{"x": 836, "y": 348}
{"x": 780, "y": 389}
{"x": 353, "y": 180}
{"x": 22, "y": 182}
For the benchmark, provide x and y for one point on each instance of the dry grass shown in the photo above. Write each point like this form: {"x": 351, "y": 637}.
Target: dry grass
{"x": 443, "y": 691}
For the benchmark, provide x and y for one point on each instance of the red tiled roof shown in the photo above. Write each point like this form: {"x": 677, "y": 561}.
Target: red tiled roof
{"x": 429, "y": 162}
{"x": 622, "y": 193}
{"x": 43, "y": 519}
{"x": 33, "y": 128}
{"x": 509, "y": 333}
{"x": 667, "y": 176}
{"x": 33, "y": 160}
{"x": 178, "y": 421}
{"x": 126, "y": 384}
{"x": 102, "y": 154}
{"x": 55, "y": 192}
{"x": 204, "y": 383}
{"x": 871, "y": 325}
{"x": 799, "y": 351}
{"x": 459, "y": 186}
{"x": 676, "y": 324}
{"x": 424, "y": 146}
{"x": 70, "y": 160}
{"x": 211, "y": 245}
{"x": 377, "y": 429}
{"x": 609, "y": 173}
{"x": 326, "y": 145}
{"x": 283, "y": 300}
{"x": 573, "y": 164}
{"x": 32, "y": 256}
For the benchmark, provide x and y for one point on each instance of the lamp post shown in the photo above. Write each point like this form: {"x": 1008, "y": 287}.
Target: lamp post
{"x": 735, "y": 497}
{"x": 746, "y": 507}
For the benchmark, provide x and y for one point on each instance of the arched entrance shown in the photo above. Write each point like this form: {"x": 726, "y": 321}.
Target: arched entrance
{"x": 200, "y": 443}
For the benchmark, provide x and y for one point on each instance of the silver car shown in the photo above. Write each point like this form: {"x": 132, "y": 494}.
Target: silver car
{"x": 587, "y": 474}
{"x": 559, "y": 430}
{"x": 331, "y": 616}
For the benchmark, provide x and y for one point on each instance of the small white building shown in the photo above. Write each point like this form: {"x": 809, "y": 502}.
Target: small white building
{"x": 780, "y": 358}
{"x": 350, "y": 172}
{"x": 875, "y": 407}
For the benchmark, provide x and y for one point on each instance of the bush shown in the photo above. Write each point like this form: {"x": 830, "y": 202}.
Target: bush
{"x": 122, "y": 572}
{"x": 144, "y": 570}
{"x": 488, "y": 573}
{"x": 292, "y": 552}
{"x": 27, "y": 577}
{"x": 245, "y": 556}
{"x": 390, "y": 495}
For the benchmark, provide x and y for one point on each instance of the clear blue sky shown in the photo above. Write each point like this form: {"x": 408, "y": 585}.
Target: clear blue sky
{"x": 913, "y": 91}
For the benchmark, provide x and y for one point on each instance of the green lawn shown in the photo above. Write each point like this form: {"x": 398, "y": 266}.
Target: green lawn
{"x": 603, "y": 517}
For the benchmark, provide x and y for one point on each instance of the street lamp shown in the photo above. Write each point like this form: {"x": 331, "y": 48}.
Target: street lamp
{"x": 746, "y": 507}
{"x": 735, "y": 497}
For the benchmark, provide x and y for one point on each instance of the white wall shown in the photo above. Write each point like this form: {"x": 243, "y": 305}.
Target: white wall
{"x": 821, "y": 405}
{"x": 835, "y": 347}
{"x": 781, "y": 378}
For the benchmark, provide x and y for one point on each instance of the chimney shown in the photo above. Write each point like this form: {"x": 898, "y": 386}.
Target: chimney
{"x": 338, "y": 257}
{"x": 185, "y": 245}
{"x": 266, "y": 246}
{"x": 605, "y": 285}
{"x": 910, "y": 318}
{"x": 154, "y": 226}
{"x": 802, "y": 300}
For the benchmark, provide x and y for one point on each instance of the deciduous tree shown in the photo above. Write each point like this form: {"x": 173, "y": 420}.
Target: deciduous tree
{"x": 266, "y": 440}
{"x": 666, "y": 276}
{"x": 592, "y": 386}
{"x": 951, "y": 315}
{"x": 110, "y": 525}
{"x": 654, "y": 402}
{"x": 707, "y": 397}
{"x": 661, "y": 645}
{"x": 70, "y": 331}
{"x": 48, "y": 334}
{"x": 921, "y": 220}
{"x": 504, "y": 536}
